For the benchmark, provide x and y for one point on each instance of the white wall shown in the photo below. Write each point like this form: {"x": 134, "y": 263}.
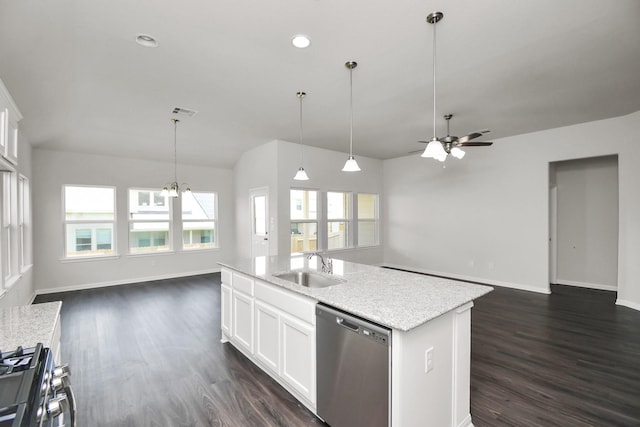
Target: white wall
{"x": 23, "y": 291}
{"x": 53, "y": 169}
{"x": 256, "y": 168}
{"x": 486, "y": 217}
{"x": 274, "y": 165}
{"x": 587, "y": 220}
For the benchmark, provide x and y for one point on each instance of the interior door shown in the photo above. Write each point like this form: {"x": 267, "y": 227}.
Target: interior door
{"x": 259, "y": 222}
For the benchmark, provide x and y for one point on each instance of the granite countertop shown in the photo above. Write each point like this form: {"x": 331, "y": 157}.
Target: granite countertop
{"x": 396, "y": 299}
{"x": 28, "y": 325}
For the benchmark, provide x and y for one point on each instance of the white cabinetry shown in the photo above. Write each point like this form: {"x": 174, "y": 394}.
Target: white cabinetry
{"x": 225, "y": 311}
{"x": 9, "y": 118}
{"x": 268, "y": 340}
{"x": 275, "y": 328}
{"x": 299, "y": 356}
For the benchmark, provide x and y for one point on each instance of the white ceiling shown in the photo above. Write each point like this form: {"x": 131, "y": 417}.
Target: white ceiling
{"x": 84, "y": 85}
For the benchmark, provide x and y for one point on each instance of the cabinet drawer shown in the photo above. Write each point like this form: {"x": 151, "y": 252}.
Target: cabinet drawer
{"x": 293, "y": 304}
{"x": 243, "y": 284}
{"x": 225, "y": 276}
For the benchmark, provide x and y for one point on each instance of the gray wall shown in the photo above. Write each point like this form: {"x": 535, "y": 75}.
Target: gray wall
{"x": 587, "y": 221}
{"x": 486, "y": 217}
{"x": 273, "y": 165}
{"x": 53, "y": 169}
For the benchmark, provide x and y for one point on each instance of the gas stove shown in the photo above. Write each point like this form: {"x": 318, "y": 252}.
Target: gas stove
{"x": 33, "y": 391}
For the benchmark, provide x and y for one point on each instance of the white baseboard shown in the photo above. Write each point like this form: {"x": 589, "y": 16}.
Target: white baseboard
{"x": 629, "y": 304}
{"x": 466, "y": 422}
{"x": 464, "y": 278}
{"x": 123, "y": 282}
{"x": 587, "y": 285}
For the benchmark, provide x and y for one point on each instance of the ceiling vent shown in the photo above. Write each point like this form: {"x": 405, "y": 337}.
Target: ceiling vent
{"x": 184, "y": 111}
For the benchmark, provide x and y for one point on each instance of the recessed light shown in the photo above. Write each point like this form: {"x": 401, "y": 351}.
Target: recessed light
{"x": 146, "y": 40}
{"x": 301, "y": 41}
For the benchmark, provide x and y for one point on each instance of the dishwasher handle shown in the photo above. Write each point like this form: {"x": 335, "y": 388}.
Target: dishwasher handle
{"x": 346, "y": 324}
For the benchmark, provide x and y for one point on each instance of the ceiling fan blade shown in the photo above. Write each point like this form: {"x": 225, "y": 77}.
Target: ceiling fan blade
{"x": 415, "y": 151}
{"x": 473, "y": 135}
{"x": 425, "y": 142}
{"x": 474, "y": 144}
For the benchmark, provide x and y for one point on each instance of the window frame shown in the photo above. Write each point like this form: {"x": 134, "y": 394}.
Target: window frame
{"x": 375, "y": 220}
{"x": 24, "y": 223}
{"x": 152, "y": 207}
{"x": 215, "y": 231}
{"x": 348, "y": 220}
{"x": 92, "y": 225}
{"x": 316, "y": 221}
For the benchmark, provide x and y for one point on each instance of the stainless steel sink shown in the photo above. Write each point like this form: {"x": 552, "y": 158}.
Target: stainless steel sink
{"x": 308, "y": 279}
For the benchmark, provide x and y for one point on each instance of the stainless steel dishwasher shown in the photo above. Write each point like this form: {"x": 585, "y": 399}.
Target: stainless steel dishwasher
{"x": 353, "y": 370}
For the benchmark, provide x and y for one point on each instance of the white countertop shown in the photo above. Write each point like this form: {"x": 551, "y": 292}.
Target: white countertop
{"x": 28, "y": 325}
{"x": 396, "y": 299}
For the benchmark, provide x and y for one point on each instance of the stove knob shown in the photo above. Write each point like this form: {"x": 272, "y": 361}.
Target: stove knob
{"x": 60, "y": 382}
{"x": 45, "y": 382}
{"x": 57, "y": 406}
{"x": 61, "y": 370}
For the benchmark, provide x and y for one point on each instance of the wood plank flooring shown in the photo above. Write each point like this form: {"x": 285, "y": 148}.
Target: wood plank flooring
{"x": 571, "y": 358}
{"x": 150, "y": 355}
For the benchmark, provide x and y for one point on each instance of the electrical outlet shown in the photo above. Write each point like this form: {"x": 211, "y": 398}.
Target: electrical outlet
{"x": 428, "y": 360}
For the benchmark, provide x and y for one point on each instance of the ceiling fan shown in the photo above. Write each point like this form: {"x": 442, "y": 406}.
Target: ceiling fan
{"x": 440, "y": 148}
{"x": 451, "y": 143}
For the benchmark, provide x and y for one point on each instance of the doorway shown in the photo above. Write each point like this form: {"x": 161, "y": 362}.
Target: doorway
{"x": 583, "y": 223}
{"x": 259, "y": 222}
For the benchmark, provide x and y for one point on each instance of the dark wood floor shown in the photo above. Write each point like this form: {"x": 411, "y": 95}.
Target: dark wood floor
{"x": 150, "y": 355}
{"x": 571, "y": 358}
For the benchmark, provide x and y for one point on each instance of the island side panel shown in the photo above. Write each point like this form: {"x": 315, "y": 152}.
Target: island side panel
{"x": 462, "y": 367}
{"x": 420, "y": 398}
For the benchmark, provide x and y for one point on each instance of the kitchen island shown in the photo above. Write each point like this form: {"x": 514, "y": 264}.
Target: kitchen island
{"x": 272, "y": 321}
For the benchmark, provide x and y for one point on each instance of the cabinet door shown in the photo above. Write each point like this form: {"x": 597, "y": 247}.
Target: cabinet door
{"x": 11, "y": 148}
{"x": 267, "y": 345}
{"x": 225, "y": 311}
{"x": 242, "y": 324}
{"x": 298, "y": 356}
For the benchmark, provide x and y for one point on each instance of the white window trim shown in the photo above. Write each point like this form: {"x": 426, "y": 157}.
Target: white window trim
{"x": 65, "y": 222}
{"x": 375, "y": 220}
{"x": 320, "y": 231}
{"x": 350, "y": 236}
{"x": 170, "y": 220}
{"x": 216, "y": 230}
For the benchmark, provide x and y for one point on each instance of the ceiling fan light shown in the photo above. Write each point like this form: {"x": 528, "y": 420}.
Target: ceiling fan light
{"x": 434, "y": 150}
{"x": 351, "y": 165}
{"x": 173, "y": 192}
{"x": 301, "y": 175}
{"x": 457, "y": 153}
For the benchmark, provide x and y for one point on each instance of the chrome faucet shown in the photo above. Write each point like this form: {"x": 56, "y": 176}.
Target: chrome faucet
{"x": 327, "y": 267}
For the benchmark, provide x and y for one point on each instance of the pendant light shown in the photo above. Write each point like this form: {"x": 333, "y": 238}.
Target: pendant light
{"x": 301, "y": 175}
{"x": 173, "y": 189}
{"x": 351, "y": 165}
{"x": 434, "y": 149}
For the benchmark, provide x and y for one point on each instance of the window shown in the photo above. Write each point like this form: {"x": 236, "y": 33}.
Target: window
{"x": 149, "y": 223}
{"x": 8, "y": 269}
{"x": 338, "y": 213}
{"x": 367, "y": 219}
{"x": 89, "y": 221}
{"x": 24, "y": 222}
{"x": 198, "y": 220}
{"x": 304, "y": 220}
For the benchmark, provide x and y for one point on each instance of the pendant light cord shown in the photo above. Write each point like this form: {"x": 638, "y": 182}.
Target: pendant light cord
{"x": 175, "y": 150}
{"x": 434, "y": 80}
{"x": 351, "y": 112}
{"x": 301, "y": 95}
